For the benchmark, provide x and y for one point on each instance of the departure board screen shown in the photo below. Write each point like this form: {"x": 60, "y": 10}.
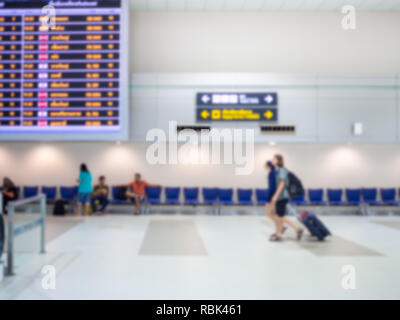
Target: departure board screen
{"x": 64, "y": 69}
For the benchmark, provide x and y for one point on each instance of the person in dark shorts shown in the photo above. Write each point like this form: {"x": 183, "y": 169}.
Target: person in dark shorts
{"x": 271, "y": 179}
{"x": 100, "y": 196}
{"x": 279, "y": 201}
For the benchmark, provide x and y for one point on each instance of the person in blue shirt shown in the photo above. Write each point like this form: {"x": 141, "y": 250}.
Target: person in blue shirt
{"x": 276, "y": 208}
{"x": 271, "y": 180}
{"x": 84, "y": 190}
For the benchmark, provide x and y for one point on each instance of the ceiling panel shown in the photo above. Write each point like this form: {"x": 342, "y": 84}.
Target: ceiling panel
{"x": 176, "y": 4}
{"x": 263, "y": 5}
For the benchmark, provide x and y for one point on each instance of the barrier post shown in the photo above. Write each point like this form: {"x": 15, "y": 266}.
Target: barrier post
{"x": 11, "y": 233}
{"x": 10, "y": 241}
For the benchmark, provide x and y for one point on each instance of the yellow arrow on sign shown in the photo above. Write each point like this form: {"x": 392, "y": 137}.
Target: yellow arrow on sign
{"x": 269, "y": 115}
{"x": 205, "y": 114}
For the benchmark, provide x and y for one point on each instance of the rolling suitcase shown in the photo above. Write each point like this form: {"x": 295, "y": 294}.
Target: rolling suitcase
{"x": 314, "y": 225}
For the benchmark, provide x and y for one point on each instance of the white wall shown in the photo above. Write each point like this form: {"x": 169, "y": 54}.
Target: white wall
{"x": 294, "y": 43}
{"x": 322, "y": 107}
{"x": 264, "y": 42}
{"x": 319, "y": 165}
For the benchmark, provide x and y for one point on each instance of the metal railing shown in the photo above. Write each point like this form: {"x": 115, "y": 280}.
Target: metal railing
{"x": 12, "y": 233}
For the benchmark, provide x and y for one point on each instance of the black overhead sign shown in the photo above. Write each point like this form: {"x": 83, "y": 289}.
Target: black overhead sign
{"x": 220, "y": 106}
{"x": 219, "y": 99}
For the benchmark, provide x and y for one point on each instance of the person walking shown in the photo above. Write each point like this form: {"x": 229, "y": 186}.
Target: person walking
{"x": 276, "y": 209}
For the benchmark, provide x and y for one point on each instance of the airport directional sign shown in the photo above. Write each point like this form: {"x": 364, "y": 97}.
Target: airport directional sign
{"x": 237, "y": 106}
{"x": 237, "y": 99}
{"x": 236, "y": 114}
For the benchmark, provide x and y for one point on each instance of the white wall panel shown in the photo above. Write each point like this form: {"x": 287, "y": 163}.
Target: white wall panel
{"x": 264, "y": 42}
{"x": 323, "y": 107}
{"x": 318, "y": 165}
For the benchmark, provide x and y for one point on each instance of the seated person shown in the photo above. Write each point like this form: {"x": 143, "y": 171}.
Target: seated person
{"x": 9, "y": 193}
{"x": 100, "y": 196}
{"x": 138, "y": 193}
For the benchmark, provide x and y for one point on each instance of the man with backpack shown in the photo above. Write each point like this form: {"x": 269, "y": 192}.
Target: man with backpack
{"x": 276, "y": 209}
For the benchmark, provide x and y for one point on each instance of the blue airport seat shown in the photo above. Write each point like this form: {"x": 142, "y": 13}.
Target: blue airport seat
{"x": 245, "y": 197}
{"x": 370, "y": 196}
{"x": 50, "y": 192}
{"x": 191, "y": 196}
{"x": 335, "y": 197}
{"x": 153, "y": 195}
{"x": 225, "y": 196}
{"x": 68, "y": 193}
{"x": 18, "y": 193}
{"x": 210, "y": 196}
{"x": 114, "y": 194}
{"x": 316, "y": 197}
{"x": 262, "y": 196}
{"x": 301, "y": 200}
{"x": 172, "y": 195}
{"x": 389, "y": 197}
{"x": 30, "y": 192}
{"x": 353, "y": 196}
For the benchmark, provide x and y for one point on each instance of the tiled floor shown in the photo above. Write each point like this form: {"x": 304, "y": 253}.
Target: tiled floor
{"x": 186, "y": 256}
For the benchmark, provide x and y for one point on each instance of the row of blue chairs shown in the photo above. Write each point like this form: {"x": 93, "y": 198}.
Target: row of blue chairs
{"x": 225, "y": 196}
{"x": 353, "y": 197}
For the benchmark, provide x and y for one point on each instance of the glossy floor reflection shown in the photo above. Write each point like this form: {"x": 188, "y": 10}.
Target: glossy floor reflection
{"x": 208, "y": 257}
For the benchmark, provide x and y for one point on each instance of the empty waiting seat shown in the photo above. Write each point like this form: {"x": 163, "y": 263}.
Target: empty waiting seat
{"x": 245, "y": 197}
{"x": 50, "y": 192}
{"x": 301, "y": 200}
{"x": 389, "y": 197}
{"x": 153, "y": 195}
{"x": 191, "y": 196}
{"x": 262, "y": 196}
{"x": 30, "y": 192}
{"x": 18, "y": 192}
{"x": 210, "y": 195}
{"x": 370, "y": 196}
{"x": 68, "y": 193}
{"x": 335, "y": 197}
{"x": 172, "y": 195}
{"x": 316, "y": 197}
{"x": 353, "y": 196}
{"x": 225, "y": 196}
{"x": 117, "y": 197}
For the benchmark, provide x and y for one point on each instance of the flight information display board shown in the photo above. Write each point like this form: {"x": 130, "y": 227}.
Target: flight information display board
{"x": 63, "y": 69}
{"x": 219, "y": 106}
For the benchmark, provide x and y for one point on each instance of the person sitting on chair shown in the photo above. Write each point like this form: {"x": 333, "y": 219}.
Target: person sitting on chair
{"x": 9, "y": 193}
{"x": 138, "y": 190}
{"x": 100, "y": 196}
